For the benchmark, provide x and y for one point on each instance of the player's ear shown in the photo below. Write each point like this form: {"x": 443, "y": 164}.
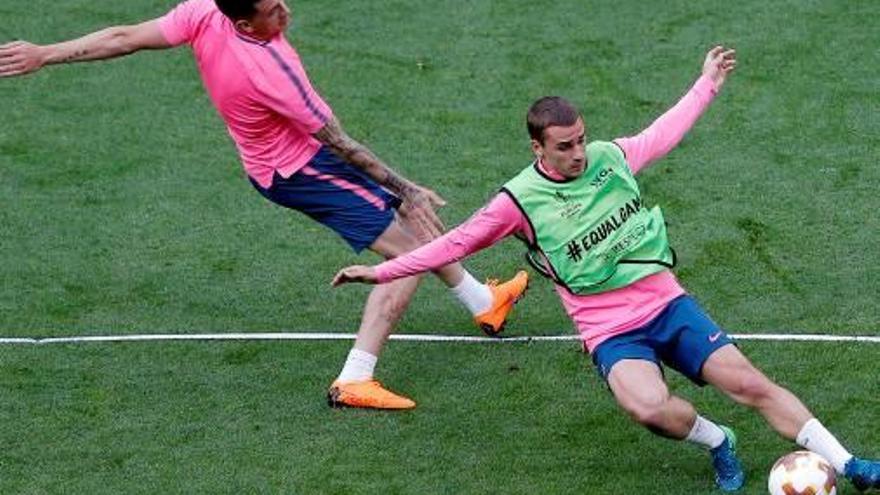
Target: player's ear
{"x": 537, "y": 148}
{"x": 244, "y": 26}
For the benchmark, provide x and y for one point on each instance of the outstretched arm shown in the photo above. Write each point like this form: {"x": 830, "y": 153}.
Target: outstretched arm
{"x": 21, "y": 57}
{"x": 499, "y": 219}
{"x": 418, "y": 202}
{"x": 666, "y": 132}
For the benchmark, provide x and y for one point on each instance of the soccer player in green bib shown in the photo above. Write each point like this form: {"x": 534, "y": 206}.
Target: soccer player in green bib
{"x": 579, "y": 209}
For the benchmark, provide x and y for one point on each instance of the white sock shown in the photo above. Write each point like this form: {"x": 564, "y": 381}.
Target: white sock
{"x": 358, "y": 367}
{"x": 816, "y": 438}
{"x": 706, "y": 433}
{"x": 476, "y": 297}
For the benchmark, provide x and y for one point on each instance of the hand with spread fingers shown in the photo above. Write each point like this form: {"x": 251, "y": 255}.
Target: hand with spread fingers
{"x": 720, "y": 61}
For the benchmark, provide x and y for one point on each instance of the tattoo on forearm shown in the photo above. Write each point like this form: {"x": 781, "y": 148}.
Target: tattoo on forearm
{"x": 76, "y": 55}
{"x": 396, "y": 183}
{"x": 360, "y": 156}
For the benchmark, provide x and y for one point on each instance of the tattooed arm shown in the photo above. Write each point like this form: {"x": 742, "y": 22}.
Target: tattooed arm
{"x": 20, "y": 57}
{"x": 418, "y": 202}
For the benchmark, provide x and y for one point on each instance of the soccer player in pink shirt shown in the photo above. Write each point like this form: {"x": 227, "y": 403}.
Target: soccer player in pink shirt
{"x": 579, "y": 209}
{"x": 296, "y": 154}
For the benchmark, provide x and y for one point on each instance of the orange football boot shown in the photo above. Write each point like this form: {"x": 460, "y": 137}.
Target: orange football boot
{"x": 504, "y": 296}
{"x": 367, "y": 393}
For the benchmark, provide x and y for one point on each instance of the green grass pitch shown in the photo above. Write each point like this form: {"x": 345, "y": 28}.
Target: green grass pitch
{"x": 124, "y": 210}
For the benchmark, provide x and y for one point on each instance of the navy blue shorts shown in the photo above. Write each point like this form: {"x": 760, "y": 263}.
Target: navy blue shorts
{"x": 336, "y": 194}
{"x": 682, "y": 336}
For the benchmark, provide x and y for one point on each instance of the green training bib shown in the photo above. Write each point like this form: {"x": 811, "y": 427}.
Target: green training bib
{"x": 592, "y": 233}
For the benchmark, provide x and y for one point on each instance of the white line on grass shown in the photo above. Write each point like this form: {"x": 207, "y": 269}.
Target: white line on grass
{"x": 402, "y": 337}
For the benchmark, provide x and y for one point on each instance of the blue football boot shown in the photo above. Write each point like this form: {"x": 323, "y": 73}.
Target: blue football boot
{"x": 729, "y": 475}
{"x": 863, "y": 474}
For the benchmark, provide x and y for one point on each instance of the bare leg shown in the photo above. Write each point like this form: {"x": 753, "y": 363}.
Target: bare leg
{"x": 639, "y": 389}
{"x": 398, "y": 239}
{"x": 732, "y": 373}
{"x": 489, "y": 303}
{"x": 387, "y": 302}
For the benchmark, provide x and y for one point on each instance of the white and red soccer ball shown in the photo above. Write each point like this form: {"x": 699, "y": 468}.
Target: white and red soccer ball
{"x": 802, "y": 473}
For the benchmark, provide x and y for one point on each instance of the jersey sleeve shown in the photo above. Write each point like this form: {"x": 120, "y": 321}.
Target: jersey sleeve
{"x": 284, "y": 87}
{"x": 499, "y": 219}
{"x": 180, "y": 24}
{"x": 668, "y": 130}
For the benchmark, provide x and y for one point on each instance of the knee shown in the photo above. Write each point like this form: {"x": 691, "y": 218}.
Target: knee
{"x": 752, "y": 388}
{"x": 410, "y": 242}
{"x": 396, "y": 240}
{"x": 409, "y": 229}
{"x": 648, "y": 412}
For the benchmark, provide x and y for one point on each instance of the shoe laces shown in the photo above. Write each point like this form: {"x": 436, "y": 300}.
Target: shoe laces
{"x": 492, "y": 282}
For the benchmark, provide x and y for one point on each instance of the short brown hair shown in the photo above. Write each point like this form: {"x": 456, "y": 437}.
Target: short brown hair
{"x": 237, "y": 9}
{"x": 550, "y": 111}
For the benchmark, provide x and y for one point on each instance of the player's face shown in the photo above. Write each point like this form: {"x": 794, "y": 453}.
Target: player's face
{"x": 563, "y": 149}
{"x": 271, "y": 19}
